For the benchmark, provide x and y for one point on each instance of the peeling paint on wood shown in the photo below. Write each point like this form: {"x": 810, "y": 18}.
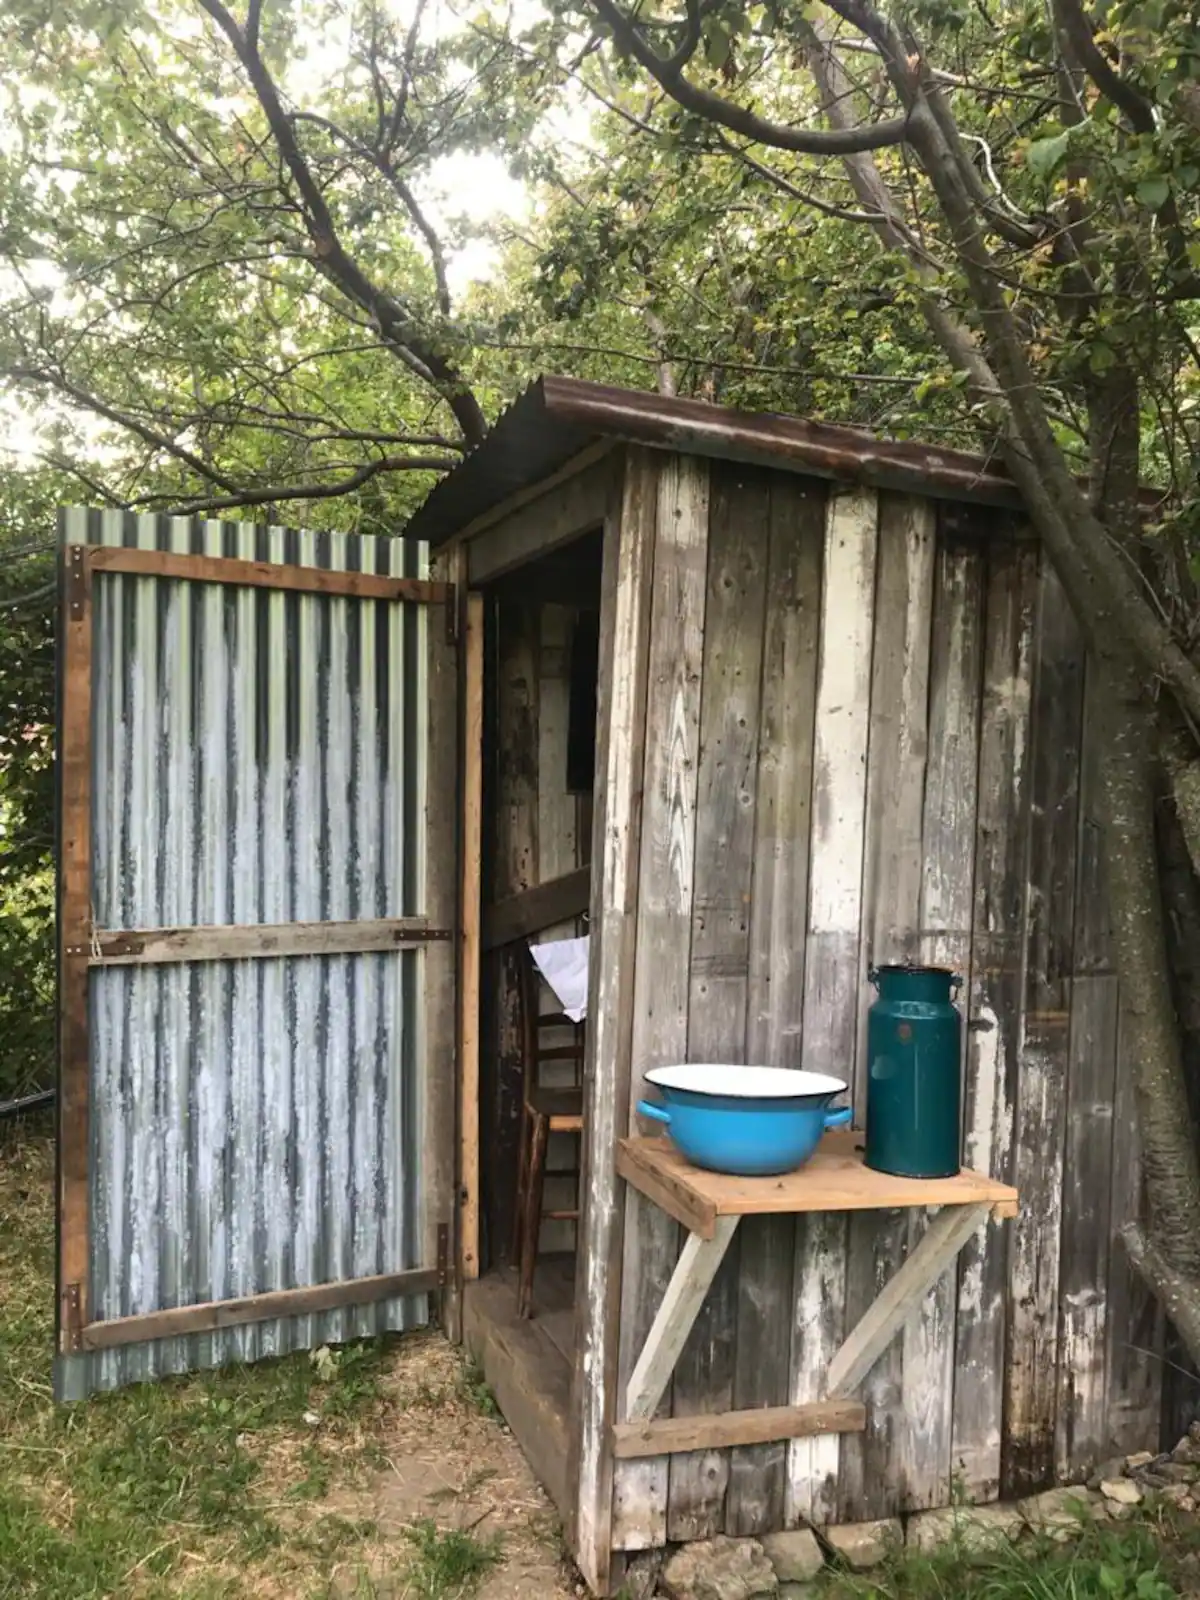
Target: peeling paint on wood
{"x": 833, "y": 969}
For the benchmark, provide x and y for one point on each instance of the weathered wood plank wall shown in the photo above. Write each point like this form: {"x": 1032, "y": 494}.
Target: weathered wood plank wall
{"x": 866, "y": 739}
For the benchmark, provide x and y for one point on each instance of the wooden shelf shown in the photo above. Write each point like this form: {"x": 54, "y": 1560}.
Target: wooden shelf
{"x": 835, "y": 1179}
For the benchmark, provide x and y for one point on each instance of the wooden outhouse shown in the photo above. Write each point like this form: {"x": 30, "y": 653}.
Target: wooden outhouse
{"x": 842, "y": 720}
{"x": 755, "y": 704}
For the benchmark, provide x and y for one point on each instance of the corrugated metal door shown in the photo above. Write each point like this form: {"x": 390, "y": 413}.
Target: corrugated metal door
{"x": 257, "y": 870}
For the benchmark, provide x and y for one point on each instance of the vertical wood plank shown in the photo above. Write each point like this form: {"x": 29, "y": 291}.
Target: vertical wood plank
{"x": 516, "y": 858}
{"x": 833, "y": 970}
{"x": 778, "y": 927}
{"x": 557, "y": 817}
{"x": 994, "y": 1010}
{"x": 1082, "y": 1423}
{"x": 441, "y": 891}
{"x": 1027, "y": 1457}
{"x": 947, "y": 902}
{"x": 870, "y": 1483}
{"x": 469, "y": 957}
{"x": 620, "y": 749}
{"x": 720, "y": 958}
{"x": 666, "y": 882}
{"x": 74, "y": 932}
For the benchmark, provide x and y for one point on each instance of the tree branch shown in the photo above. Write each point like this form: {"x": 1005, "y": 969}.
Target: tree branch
{"x": 304, "y": 491}
{"x": 331, "y": 256}
{"x": 1073, "y": 22}
{"x": 715, "y": 108}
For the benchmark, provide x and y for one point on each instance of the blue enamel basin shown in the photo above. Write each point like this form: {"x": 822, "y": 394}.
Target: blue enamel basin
{"x": 752, "y": 1121}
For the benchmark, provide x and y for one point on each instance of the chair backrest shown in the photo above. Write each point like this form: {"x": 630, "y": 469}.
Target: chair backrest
{"x": 535, "y": 1025}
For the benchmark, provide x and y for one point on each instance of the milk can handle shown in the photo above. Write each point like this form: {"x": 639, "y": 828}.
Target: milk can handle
{"x": 956, "y": 984}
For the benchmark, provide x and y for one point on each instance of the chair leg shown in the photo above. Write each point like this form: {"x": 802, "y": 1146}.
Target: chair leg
{"x": 534, "y": 1183}
{"x": 518, "y": 1227}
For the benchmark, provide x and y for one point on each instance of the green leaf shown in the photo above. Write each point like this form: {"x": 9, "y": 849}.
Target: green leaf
{"x": 1153, "y": 192}
{"x": 1045, "y": 156}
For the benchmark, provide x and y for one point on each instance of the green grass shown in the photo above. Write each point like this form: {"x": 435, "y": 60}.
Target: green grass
{"x": 1131, "y": 1561}
{"x": 184, "y": 1487}
{"x": 448, "y": 1563}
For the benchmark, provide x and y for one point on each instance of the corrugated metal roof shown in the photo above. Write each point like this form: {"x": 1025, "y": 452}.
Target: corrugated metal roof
{"x": 557, "y": 418}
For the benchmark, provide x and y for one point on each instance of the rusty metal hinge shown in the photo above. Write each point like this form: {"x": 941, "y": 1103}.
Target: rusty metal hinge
{"x": 72, "y": 1317}
{"x": 443, "y": 1255}
{"x": 77, "y": 581}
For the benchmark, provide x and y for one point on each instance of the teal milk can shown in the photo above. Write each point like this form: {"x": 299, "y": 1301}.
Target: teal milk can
{"x": 914, "y": 1035}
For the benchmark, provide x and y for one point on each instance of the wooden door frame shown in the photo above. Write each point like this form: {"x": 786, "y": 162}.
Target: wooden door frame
{"x": 82, "y": 946}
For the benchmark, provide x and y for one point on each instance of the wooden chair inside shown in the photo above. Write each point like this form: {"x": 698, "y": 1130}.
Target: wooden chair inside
{"x": 545, "y": 1109}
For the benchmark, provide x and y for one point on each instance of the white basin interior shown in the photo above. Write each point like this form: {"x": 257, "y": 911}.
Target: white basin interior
{"x": 749, "y": 1083}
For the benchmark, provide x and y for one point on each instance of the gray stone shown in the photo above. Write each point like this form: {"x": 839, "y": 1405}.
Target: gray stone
{"x": 1061, "y": 1513}
{"x": 719, "y": 1569}
{"x": 642, "y": 1572}
{"x": 795, "y": 1555}
{"x": 1140, "y": 1458}
{"x": 1112, "y": 1468}
{"x": 977, "y": 1530}
{"x": 863, "y": 1545}
{"x": 1123, "y": 1490}
{"x": 797, "y": 1591}
{"x": 1177, "y": 1494}
{"x": 1187, "y": 1451}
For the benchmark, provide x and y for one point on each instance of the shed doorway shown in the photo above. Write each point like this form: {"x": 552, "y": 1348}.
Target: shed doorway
{"x": 540, "y": 669}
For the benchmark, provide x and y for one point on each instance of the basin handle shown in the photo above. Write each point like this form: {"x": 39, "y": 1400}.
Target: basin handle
{"x": 839, "y": 1117}
{"x": 647, "y": 1108}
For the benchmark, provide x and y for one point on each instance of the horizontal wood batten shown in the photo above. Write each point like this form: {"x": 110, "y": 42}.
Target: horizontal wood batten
{"x": 214, "y": 1314}
{"x": 264, "y": 575}
{"x": 145, "y": 946}
{"x": 764, "y": 1425}
{"x": 519, "y": 915}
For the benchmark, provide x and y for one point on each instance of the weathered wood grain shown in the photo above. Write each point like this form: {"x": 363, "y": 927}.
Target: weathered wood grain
{"x": 74, "y": 933}
{"x": 470, "y": 952}
{"x": 775, "y": 1002}
{"x": 899, "y": 1303}
{"x": 869, "y": 1483}
{"x": 1027, "y": 1456}
{"x": 542, "y": 518}
{"x": 514, "y": 871}
{"x": 214, "y": 1314}
{"x": 265, "y": 575}
{"x": 833, "y": 972}
{"x": 698, "y": 1263}
{"x": 666, "y": 880}
{"x": 720, "y": 960}
{"x": 530, "y": 911}
{"x": 750, "y": 1429}
{"x": 955, "y": 670}
{"x": 1082, "y": 1422}
{"x": 557, "y": 855}
{"x": 834, "y": 1178}
{"x": 440, "y": 959}
{"x": 125, "y": 947}
{"x": 993, "y": 1033}
{"x": 616, "y": 853}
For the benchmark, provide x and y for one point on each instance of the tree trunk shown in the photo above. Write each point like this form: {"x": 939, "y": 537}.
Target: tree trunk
{"x": 1167, "y": 1249}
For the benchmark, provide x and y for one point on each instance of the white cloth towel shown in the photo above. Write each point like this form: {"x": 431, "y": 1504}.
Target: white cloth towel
{"x": 564, "y": 965}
